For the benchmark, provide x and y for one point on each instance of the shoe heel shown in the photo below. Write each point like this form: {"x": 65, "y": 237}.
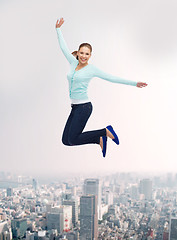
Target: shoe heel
{"x": 116, "y": 139}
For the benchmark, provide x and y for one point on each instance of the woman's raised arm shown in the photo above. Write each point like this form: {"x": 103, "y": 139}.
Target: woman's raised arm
{"x": 62, "y": 42}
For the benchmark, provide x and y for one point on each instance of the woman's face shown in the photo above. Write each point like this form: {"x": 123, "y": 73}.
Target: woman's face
{"x": 83, "y": 55}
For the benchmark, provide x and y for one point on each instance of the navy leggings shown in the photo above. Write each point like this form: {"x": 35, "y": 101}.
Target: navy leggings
{"x": 73, "y": 132}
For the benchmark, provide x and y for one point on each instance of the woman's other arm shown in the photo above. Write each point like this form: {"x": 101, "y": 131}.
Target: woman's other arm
{"x": 106, "y": 76}
{"x": 62, "y": 42}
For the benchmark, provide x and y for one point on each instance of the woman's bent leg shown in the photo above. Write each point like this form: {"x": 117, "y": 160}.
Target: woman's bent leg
{"x": 81, "y": 114}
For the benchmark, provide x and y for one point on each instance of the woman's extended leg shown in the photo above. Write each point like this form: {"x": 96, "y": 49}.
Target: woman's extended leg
{"x": 75, "y": 124}
{"x": 80, "y": 115}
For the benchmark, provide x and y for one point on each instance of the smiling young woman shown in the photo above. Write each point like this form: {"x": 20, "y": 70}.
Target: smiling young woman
{"x": 80, "y": 74}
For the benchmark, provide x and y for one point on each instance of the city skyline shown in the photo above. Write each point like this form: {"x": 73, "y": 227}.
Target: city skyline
{"x": 131, "y": 208}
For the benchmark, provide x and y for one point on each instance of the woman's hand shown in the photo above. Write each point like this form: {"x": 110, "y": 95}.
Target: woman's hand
{"x": 141, "y": 84}
{"x": 59, "y": 23}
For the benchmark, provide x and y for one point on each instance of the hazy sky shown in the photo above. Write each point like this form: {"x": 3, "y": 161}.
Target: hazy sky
{"x": 133, "y": 39}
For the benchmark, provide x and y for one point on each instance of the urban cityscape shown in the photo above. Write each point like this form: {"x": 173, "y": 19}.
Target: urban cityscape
{"x": 116, "y": 206}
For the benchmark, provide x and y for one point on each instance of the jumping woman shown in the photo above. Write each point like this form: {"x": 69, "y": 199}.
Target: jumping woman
{"x": 81, "y": 72}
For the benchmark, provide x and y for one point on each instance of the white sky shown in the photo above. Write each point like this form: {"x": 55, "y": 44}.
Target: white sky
{"x": 136, "y": 40}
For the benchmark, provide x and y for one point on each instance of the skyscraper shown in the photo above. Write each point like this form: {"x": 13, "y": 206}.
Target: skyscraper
{"x": 92, "y": 186}
{"x": 5, "y": 231}
{"x": 34, "y": 184}
{"x": 173, "y": 229}
{"x": 60, "y": 218}
{"x": 134, "y": 192}
{"x": 9, "y": 192}
{"x": 19, "y": 227}
{"x": 74, "y": 205}
{"x": 146, "y": 188}
{"x": 88, "y": 218}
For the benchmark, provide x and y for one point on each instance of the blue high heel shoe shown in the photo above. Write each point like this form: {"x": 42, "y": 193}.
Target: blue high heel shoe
{"x": 116, "y": 140}
{"x": 104, "y": 145}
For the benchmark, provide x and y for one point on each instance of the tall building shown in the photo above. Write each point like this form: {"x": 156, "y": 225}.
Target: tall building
{"x": 92, "y": 186}
{"x": 74, "y": 192}
{"x": 88, "y": 218}
{"x": 146, "y": 188}
{"x": 74, "y": 205}
{"x": 9, "y": 192}
{"x": 55, "y": 221}
{"x": 134, "y": 192}
{"x": 173, "y": 229}
{"x": 5, "y": 231}
{"x": 109, "y": 198}
{"x": 19, "y": 227}
{"x": 60, "y": 218}
{"x": 34, "y": 184}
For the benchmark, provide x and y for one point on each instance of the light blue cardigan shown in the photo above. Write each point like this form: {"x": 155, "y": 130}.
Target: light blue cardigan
{"x": 79, "y": 80}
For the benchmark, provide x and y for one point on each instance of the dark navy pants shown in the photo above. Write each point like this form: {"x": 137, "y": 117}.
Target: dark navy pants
{"x": 73, "y": 132}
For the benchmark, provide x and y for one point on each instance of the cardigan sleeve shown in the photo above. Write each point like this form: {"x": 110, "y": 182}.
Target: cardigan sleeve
{"x": 64, "y": 47}
{"x": 106, "y": 76}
